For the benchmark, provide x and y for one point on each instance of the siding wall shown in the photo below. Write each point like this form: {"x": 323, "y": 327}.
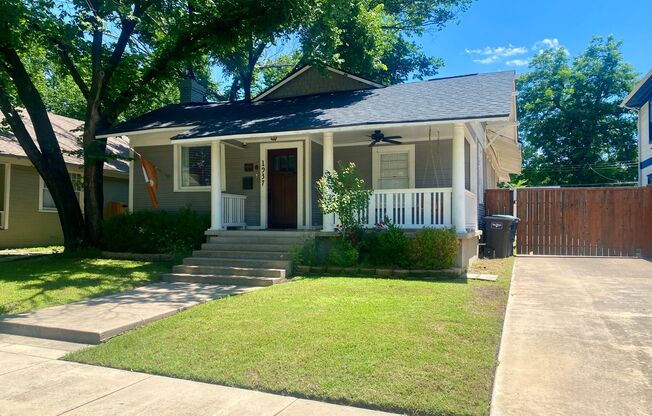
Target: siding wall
{"x": 312, "y": 81}
{"x": 235, "y": 160}
{"x": 30, "y": 227}
{"x": 317, "y": 168}
{"x": 162, "y": 157}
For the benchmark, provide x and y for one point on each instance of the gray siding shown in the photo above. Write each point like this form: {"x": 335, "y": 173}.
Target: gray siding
{"x": 312, "y": 81}
{"x": 168, "y": 200}
{"x": 235, "y": 160}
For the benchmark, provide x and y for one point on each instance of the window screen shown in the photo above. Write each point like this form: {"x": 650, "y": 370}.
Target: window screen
{"x": 196, "y": 166}
{"x": 394, "y": 171}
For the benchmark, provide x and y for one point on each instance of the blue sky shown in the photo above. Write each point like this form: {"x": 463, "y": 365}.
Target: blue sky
{"x": 503, "y": 34}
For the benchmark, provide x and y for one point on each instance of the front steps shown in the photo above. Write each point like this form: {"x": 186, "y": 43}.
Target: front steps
{"x": 240, "y": 257}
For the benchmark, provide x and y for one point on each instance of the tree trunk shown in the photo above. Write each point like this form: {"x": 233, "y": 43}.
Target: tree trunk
{"x": 47, "y": 157}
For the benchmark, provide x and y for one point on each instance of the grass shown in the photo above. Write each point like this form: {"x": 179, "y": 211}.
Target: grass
{"x": 32, "y": 250}
{"x": 56, "y": 279}
{"x": 424, "y": 348}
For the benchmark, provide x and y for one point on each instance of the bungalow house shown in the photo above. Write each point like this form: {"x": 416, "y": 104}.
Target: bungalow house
{"x": 640, "y": 99}
{"x": 428, "y": 150}
{"x": 28, "y": 216}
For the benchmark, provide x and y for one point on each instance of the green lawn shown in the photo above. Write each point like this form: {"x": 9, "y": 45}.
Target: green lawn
{"x": 59, "y": 278}
{"x": 399, "y": 345}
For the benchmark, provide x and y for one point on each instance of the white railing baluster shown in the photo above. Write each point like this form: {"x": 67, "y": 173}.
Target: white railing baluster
{"x": 233, "y": 210}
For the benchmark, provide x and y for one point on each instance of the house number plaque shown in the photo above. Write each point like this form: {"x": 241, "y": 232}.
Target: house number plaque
{"x": 262, "y": 172}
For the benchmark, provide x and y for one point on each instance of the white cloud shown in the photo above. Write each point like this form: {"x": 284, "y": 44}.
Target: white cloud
{"x": 547, "y": 43}
{"x": 486, "y": 61}
{"x": 494, "y": 54}
{"x": 518, "y": 62}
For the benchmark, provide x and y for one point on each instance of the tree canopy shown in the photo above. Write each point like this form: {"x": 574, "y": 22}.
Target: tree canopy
{"x": 573, "y": 129}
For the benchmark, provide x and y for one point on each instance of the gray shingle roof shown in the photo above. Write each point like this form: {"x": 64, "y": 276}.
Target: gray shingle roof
{"x": 466, "y": 97}
{"x": 68, "y": 132}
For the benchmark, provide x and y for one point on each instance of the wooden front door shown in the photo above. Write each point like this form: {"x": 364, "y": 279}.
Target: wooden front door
{"x": 282, "y": 189}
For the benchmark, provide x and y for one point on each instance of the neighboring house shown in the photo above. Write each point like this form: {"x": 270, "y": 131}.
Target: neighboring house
{"x": 640, "y": 99}
{"x": 28, "y": 216}
{"x": 254, "y": 164}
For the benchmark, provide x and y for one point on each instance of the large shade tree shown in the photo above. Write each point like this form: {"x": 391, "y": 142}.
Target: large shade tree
{"x": 368, "y": 37}
{"x": 572, "y": 126}
{"x": 114, "y": 53}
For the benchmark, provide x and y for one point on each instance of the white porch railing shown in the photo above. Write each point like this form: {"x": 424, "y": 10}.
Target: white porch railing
{"x": 471, "y": 204}
{"x": 409, "y": 208}
{"x": 233, "y": 210}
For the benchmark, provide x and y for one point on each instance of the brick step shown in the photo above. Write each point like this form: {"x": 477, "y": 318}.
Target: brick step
{"x": 222, "y": 279}
{"x": 229, "y": 270}
{"x": 244, "y": 263}
{"x": 226, "y": 246}
{"x": 226, "y": 254}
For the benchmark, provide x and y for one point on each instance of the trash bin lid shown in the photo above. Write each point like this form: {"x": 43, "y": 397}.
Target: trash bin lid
{"x": 503, "y": 217}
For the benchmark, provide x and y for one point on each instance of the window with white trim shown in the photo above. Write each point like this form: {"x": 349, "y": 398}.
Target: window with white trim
{"x": 393, "y": 167}
{"x": 193, "y": 167}
{"x": 46, "y": 202}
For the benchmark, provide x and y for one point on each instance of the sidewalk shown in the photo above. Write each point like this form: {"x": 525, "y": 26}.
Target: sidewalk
{"x": 34, "y": 382}
{"x": 98, "y": 319}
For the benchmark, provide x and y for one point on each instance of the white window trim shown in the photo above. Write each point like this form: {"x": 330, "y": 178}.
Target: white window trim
{"x": 385, "y": 149}
{"x": 4, "y": 221}
{"x": 41, "y": 187}
{"x": 177, "y": 153}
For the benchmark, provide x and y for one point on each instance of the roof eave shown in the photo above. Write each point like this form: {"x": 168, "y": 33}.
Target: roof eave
{"x": 630, "y": 102}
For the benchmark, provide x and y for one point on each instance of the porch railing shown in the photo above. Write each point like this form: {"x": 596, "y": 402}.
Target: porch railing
{"x": 471, "y": 204}
{"x": 409, "y": 208}
{"x": 233, "y": 210}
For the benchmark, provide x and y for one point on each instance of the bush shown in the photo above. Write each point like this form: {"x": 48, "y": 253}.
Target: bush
{"x": 342, "y": 254}
{"x": 392, "y": 247}
{"x": 434, "y": 248}
{"x": 155, "y": 232}
{"x": 306, "y": 254}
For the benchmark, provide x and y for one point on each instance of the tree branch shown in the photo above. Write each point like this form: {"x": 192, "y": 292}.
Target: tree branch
{"x": 70, "y": 66}
{"x": 18, "y": 127}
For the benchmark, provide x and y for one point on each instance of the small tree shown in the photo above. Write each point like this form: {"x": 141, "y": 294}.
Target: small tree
{"x": 343, "y": 192}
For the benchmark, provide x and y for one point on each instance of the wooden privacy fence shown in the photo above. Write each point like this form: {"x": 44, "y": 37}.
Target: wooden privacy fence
{"x": 580, "y": 221}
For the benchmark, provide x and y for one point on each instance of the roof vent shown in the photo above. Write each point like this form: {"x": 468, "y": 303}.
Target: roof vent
{"x": 191, "y": 91}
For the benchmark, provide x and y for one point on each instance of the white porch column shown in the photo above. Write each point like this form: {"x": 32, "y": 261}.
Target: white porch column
{"x": 328, "y": 220}
{"x": 216, "y": 186}
{"x": 459, "y": 210}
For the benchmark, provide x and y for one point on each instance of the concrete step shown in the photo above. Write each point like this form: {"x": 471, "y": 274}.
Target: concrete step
{"x": 241, "y": 263}
{"x": 247, "y": 239}
{"x": 226, "y": 246}
{"x": 226, "y": 254}
{"x": 229, "y": 270}
{"x": 222, "y": 279}
{"x": 263, "y": 233}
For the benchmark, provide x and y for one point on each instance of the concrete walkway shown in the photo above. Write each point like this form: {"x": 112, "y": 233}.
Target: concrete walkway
{"x": 577, "y": 339}
{"x": 34, "y": 382}
{"x": 98, "y": 319}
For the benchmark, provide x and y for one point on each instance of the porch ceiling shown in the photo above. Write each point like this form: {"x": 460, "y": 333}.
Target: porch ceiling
{"x": 408, "y": 134}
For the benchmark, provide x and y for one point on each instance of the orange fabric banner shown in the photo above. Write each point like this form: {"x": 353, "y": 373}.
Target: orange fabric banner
{"x": 151, "y": 179}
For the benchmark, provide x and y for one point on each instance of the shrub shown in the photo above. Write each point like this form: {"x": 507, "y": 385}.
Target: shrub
{"x": 342, "y": 254}
{"x": 392, "y": 247}
{"x": 343, "y": 193}
{"x": 434, "y": 248}
{"x": 155, "y": 232}
{"x": 306, "y": 254}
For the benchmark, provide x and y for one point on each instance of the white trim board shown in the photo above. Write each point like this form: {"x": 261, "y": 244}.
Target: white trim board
{"x": 263, "y": 160}
{"x": 7, "y": 185}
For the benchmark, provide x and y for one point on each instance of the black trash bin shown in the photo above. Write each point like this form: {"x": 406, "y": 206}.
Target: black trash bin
{"x": 500, "y": 231}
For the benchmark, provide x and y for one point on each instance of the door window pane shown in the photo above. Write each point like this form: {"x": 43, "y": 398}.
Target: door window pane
{"x": 196, "y": 166}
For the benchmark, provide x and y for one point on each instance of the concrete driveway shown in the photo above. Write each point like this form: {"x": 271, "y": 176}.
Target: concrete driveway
{"x": 577, "y": 339}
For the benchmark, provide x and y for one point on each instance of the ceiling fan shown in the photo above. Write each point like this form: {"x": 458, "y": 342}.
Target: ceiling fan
{"x": 377, "y": 136}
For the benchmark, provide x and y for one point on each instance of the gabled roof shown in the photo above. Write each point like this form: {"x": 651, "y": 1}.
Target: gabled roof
{"x": 641, "y": 94}
{"x": 477, "y": 96}
{"x": 68, "y": 132}
{"x": 355, "y": 82}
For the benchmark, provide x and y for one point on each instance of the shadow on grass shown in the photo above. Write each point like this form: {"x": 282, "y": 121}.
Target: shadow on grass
{"x": 43, "y": 278}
